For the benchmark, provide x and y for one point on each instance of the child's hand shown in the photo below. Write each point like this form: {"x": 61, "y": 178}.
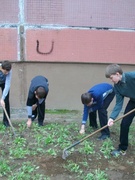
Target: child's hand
{"x": 2, "y": 103}
{"x": 110, "y": 122}
{"x": 29, "y": 122}
{"x": 82, "y": 131}
{"x": 34, "y": 107}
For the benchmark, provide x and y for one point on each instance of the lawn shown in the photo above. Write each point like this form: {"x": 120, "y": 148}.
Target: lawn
{"x": 36, "y": 153}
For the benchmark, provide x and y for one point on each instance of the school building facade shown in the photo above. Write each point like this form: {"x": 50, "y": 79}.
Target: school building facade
{"x": 69, "y": 42}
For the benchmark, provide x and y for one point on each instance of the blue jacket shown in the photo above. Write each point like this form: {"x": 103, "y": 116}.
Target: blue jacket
{"x": 98, "y": 92}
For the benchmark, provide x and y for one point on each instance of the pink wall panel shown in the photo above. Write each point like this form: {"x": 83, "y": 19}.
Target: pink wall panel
{"x": 9, "y": 11}
{"x": 91, "y": 13}
{"x": 8, "y": 47}
{"x": 67, "y": 45}
{"x": 80, "y": 46}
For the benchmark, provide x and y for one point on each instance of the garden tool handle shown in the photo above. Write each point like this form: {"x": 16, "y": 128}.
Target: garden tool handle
{"x": 8, "y": 119}
{"x": 133, "y": 110}
{"x": 78, "y": 142}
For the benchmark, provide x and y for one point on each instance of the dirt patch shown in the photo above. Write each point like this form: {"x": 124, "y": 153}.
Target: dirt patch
{"x": 77, "y": 165}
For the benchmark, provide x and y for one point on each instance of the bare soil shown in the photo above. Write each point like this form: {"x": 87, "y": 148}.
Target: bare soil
{"x": 121, "y": 168}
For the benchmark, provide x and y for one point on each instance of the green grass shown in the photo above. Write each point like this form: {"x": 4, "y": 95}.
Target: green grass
{"x": 60, "y": 111}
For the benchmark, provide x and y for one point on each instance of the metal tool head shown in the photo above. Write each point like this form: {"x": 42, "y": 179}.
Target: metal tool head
{"x": 65, "y": 154}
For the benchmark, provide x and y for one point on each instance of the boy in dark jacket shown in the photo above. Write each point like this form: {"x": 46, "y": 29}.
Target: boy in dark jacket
{"x": 98, "y": 98}
{"x": 38, "y": 91}
{"x": 5, "y": 82}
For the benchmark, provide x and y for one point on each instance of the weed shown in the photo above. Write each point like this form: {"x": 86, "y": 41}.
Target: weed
{"x": 18, "y": 149}
{"x": 18, "y": 152}
{"x": 84, "y": 163}
{"x": 19, "y": 141}
{"x": 4, "y": 167}
{"x": 96, "y": 175}
{"x": 130, "y": 162}
{"x": 106, "y": 148}
{"x": 73, "y": 167}
{"x": 2, "y": 128}
{"x": 89, "y": 176}
{"x": 37, "y": 152}
{"x": 88, "y": 148}
{"x": 48, "y": 139}
{"x": 52, "y": 152}
{"x": 39, "y": 139}
{"x": 26, "y": 171}
{"x": 100, "y": 175}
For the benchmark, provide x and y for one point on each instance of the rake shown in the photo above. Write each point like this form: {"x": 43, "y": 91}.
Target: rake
{"x": 65, "y": 153}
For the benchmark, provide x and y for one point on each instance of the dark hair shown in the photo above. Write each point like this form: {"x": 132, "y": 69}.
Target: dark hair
{"x": 86, "y": 98}
{"x": 113, "y": 69}
{"x": 6, "y": 65}
{"x": 40, "y": 92}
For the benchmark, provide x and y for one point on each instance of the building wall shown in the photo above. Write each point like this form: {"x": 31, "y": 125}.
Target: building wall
{"x": 67, "y": 81}
{"x": 97, "y": 31}
{"x": 75, "y": 45}
{"x": 70, "y": 42}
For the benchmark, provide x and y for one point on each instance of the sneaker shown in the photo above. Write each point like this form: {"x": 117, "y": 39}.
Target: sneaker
{"x": 118, "y": 152}
{"x": 103, "y": 137}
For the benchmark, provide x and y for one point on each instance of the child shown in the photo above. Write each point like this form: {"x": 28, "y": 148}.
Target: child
{"x": 5, "y": 80}
{"x": 124, "y": 86}
{"x": 98, "y": 98}
{"x": 38, "y": 91}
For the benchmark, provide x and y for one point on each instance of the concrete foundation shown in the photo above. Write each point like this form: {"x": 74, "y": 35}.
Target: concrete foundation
{"x": 67, "y": 81}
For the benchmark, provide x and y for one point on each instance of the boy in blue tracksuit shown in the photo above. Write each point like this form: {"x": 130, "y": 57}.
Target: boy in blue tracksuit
{"x": 98, "y": 98}
{"x": 38, "y": 91}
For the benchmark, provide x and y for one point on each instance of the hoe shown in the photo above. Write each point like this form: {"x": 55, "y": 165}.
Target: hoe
{"x": 65, "y": 153}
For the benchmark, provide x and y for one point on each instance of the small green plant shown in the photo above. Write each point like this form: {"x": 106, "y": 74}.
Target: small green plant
{"x": 18, "y": 148}
{"x": 22, "y": 127}
{"x": 26, "y": 171}
{"x": 19, "y": 141}
{"x": 39, "y": 138}
{"x": 2, "y": 128}
{"x": 89, "y": 176}
{"x": 51, "y": 126}
{"x": 72, "y": 127}
{"x": 88, "y": 148}
{"x": 100, "y": 175}
{"x": 106, "y": 148}
{"x": 48, "y": 140}
{"x": 96, "y": 175}
{"x": 130, "y": 162}
{"x": 73, "y": 167}
{"x": 52, "y": 152}
{"x": 43, "y": 147}
{"x": 85, "y": 163}
{"x": 4, "y": 167}
{"x": 18, "y": 152}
